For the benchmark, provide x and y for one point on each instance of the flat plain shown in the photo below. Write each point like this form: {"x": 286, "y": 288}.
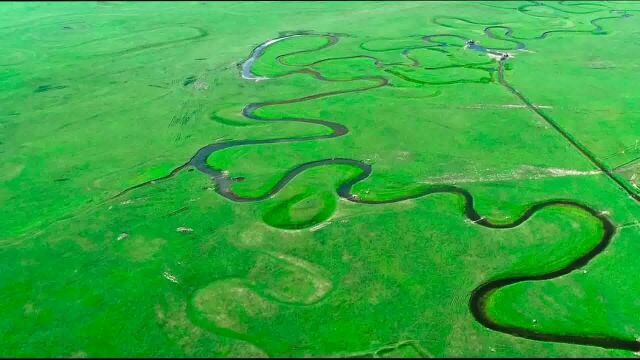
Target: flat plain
{"x": 307, "y": 179}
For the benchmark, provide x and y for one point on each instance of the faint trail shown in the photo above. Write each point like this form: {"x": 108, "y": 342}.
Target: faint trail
{"x": 521, "y": 173}
{"x": 202, "y": 33}
{"x": 625, "y": 164}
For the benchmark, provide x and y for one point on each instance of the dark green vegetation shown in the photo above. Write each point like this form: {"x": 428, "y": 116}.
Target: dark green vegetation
{"x": 382, "y": 191}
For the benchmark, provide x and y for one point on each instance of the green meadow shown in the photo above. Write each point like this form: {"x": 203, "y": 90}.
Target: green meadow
{"x": 319, "y": 179}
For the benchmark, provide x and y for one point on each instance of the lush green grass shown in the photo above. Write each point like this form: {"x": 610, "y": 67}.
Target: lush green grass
{"x": 99, "y": 97}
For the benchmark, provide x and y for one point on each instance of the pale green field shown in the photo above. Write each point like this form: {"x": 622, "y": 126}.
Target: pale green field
{"x": 370, "y": 246}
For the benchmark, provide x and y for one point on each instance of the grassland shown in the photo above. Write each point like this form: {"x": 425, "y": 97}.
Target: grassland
{"x": 381, "y": 190}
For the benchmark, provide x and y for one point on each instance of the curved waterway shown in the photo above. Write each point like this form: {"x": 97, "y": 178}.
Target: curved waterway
{"x": 245, "y": 69}
{"x": 479, "y": 296}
